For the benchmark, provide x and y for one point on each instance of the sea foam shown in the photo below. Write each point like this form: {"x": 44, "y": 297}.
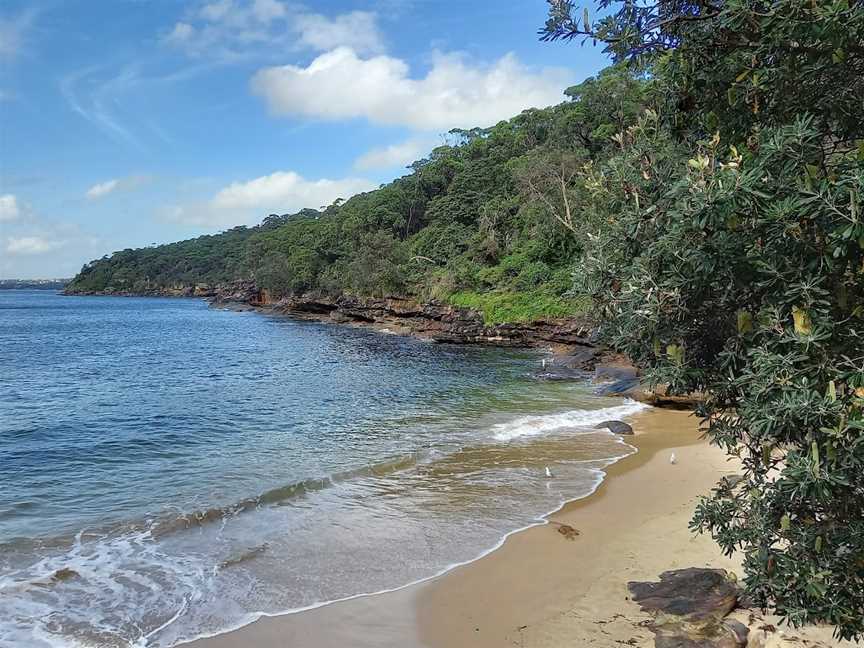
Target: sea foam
{"x": 576, "y": 420}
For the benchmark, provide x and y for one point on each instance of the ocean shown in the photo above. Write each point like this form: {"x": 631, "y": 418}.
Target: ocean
{"x": 170, "y": 471}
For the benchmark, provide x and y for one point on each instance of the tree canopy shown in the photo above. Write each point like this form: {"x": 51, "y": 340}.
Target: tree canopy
{"x": 728, "y": 258}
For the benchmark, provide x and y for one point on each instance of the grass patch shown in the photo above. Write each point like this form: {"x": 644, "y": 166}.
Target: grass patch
{"x": 514, "y": 307}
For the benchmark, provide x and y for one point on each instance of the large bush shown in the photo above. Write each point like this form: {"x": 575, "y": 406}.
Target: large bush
{"x": 736, "y": 269}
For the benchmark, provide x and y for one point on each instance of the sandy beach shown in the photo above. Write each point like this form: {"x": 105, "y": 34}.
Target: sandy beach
{"x": 541, "y": 588}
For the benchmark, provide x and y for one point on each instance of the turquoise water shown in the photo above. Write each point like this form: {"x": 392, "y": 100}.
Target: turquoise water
{"x": 169, "y": 471}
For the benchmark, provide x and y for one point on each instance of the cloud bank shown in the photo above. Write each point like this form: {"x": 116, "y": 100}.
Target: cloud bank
{"x": 341, "y": 85}
{"x": 236, "y": 29}
{"x": 250, "y": 201}
{"x": 396, "y": 155}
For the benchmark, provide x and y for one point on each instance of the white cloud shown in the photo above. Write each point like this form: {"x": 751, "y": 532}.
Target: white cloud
{"x": 395, "y": 155}
{"x": 182, "y": 33}
{"x": 9, "y": 209}
{"x": 240, "y": 29}
{"x": 357, "y": 30}
{"x": 116, "y": 184}
{"x": 31, "y": 245}
{"x": 101, "y": 189}
{"x": 13, "y": 31}
{"x": 341, "y": 85}
{"x": 250, "y": 201}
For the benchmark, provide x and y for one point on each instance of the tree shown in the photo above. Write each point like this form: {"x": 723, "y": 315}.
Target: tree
{"x": 548, "y": 179}
{"x": 741, "y": 274}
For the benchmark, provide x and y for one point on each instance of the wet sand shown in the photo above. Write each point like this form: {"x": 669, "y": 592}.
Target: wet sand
{"x": 541, "y": 589}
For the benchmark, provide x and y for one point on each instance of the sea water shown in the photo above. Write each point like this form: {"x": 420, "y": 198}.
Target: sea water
{"x": 170, "y": 471}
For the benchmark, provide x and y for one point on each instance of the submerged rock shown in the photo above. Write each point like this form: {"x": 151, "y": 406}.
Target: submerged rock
{"x": 615, "y": 427}
{"x": 63, "y": 574}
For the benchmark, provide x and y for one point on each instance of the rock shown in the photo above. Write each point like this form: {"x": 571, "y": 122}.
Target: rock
{"x": 63, "y": 574}
{"x": 615, "y": 427}
{"x": 693, "y": 594}
{"x": 680, "y": 640}
{"x": 739, "y": 631}
{"x": 568, "y": 531}
{"x": 615, "y": 372}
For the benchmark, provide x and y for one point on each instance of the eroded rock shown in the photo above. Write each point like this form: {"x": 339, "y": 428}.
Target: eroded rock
{"x": 694, "y": 594}
{"x": 689, "y": 607}
{"x": 615, "y": 427}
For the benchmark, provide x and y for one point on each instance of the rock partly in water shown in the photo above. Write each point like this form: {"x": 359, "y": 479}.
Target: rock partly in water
{"x": 63, "y": 574}
{"x": 615, "y": 427}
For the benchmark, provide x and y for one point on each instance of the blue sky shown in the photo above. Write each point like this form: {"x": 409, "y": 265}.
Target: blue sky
{"x": 130, "y": 122}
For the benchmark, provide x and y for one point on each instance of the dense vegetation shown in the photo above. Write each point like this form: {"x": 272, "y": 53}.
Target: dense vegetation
{"x": 728, "y": 257}
{"x": 486, "y": 221}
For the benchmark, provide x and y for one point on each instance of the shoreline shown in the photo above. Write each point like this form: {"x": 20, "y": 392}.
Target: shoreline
{"x": 418, "y": 614}
{"x": 539, "y": 589}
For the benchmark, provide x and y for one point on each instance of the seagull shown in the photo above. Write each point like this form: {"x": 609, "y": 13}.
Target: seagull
{"x": 673, "y": 459}
{"x": 549, "y": 474}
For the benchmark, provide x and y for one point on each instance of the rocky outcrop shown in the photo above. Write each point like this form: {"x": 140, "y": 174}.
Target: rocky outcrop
{"x": 690, "y": 608}
{"x": 436, "y": 321}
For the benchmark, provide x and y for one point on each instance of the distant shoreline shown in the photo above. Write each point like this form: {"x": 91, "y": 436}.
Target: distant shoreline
{"x": 35, "y": 284}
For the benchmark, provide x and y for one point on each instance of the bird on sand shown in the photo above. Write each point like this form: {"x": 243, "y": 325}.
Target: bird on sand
{"x": 673, "y": 459}
{"x": 549, "y": 474}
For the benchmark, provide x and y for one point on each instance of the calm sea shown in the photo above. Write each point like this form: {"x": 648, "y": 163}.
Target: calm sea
{"x": 168, "y": 470}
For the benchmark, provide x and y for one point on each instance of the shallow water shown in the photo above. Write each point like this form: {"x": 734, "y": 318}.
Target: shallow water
{"x": 169, "y": 471}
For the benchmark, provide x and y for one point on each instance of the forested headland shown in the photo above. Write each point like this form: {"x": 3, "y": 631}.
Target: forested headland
{"x": 703, "y": 199}
{"x": 493, "y": 220}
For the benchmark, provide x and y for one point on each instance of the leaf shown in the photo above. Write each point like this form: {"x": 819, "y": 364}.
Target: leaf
{"x": 676, "y": 353}
{"x": 803, "y": 323}
{"x": 814, "y": 455}
{"x": 742, "y": 76}
{"x": 785, "y": 522}
{"x": 745, "y": 322}
{"x": 832, "y": 392}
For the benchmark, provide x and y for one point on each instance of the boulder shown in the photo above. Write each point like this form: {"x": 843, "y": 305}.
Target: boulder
{"x": 615, "y": 427}
{"x": 689, "y": 607}
{"x": 693, "y": 594}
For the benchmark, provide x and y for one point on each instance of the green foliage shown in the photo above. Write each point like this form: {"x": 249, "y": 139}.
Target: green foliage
{"x": 512, "y": 307}
{"x": 726, "y": 258}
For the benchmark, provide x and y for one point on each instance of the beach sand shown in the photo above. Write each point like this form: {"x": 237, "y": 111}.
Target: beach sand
{"x": 541, "y": 589}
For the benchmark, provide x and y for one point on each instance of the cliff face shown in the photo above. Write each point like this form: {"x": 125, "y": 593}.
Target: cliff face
{"x": 432, "y": 320}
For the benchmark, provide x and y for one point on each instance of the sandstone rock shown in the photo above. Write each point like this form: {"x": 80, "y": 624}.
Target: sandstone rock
{"x": 693, "y": 594}
{"x": 615, "y": 427}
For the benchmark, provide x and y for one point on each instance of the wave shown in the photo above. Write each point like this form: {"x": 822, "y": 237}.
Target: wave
{"x": 578, "y": 419}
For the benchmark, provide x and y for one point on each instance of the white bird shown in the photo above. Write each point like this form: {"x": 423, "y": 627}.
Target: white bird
{"x": 673, "y": 459}
{"x": 549, "y": 474}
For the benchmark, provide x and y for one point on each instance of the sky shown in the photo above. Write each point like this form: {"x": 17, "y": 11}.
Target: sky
{"x": 126, "y": 123}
